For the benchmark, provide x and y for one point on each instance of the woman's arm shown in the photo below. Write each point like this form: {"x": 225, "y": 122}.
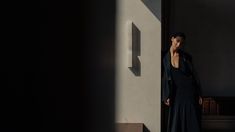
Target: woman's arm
{"x": 165, "y": 88}
{"x": 166, "y": 81}
{"x": 197, "y": 83}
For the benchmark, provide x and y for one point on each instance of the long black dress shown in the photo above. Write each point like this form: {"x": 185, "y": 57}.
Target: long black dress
{"x": 184, "y": 112}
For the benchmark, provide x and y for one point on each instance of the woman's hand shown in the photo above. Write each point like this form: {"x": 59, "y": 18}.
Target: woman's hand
{"x": 167, "y": 102}
{"x": 200, "y": 100}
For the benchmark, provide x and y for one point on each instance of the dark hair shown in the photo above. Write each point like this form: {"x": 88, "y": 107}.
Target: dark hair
{"x": 178, "y": 34}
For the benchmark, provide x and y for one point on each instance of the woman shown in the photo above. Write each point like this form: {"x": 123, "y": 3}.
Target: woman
{"x": 181, "y": 88}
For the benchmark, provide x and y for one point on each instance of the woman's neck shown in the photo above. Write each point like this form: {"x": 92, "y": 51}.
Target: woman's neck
{"x": 173, "y": 51}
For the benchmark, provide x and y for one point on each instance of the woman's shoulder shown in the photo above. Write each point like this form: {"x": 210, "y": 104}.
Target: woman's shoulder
{"x": 186, "y": 55}
{"x": 166, "y": 55}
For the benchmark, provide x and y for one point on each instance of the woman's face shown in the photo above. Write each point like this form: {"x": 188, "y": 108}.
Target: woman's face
{"x": 176, "y": 42}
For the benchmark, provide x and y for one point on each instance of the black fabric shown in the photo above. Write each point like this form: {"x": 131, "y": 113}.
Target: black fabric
{"x": 187, "y": 68}
{"x": 183, "y": 90}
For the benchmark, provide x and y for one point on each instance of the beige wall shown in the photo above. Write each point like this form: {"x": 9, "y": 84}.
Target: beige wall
{"x": 138, "y": 97}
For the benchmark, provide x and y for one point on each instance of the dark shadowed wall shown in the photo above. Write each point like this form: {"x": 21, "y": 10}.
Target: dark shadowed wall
{"x": 210, "y": 30}
{"x": 62, "y": 81}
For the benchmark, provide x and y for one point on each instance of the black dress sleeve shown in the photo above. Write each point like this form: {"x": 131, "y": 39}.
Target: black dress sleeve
{"x": 166, "y": 81}
{"x": 165, "y": 88}
{"x": 194, "y": 73}
{"x": 196, "y": 80}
